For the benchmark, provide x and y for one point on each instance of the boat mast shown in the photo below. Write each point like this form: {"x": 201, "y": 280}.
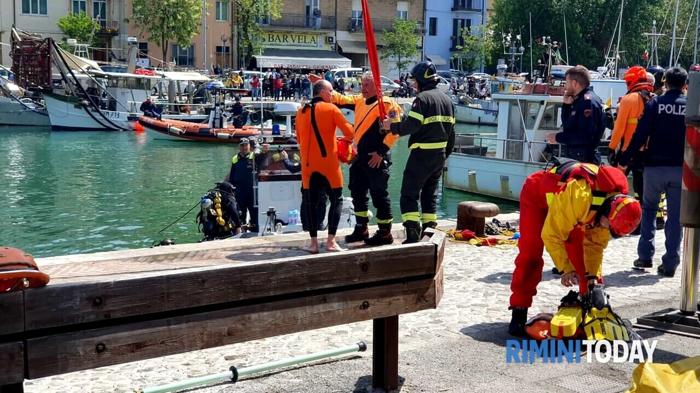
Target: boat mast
{"x": 612, "y": 61}
{"x": 532, "y": 70}
{"x": 566, "y": 41}
{"x": 673, "y": 36}
{"x": 654, "y": 36}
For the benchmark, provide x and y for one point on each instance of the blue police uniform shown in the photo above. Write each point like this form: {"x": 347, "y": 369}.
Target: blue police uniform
{"x": 583, "y": 125}
{"x": 662, "y": 130}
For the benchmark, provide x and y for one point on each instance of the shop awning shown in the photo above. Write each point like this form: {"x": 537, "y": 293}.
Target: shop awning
{"x": 301, "y": 58}
{"x": 353, "y": 46}
{"x": 437, "y": 59}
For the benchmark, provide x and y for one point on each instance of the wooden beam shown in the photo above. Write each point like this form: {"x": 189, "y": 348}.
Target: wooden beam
{"x": 11, "y": 364}
{"x": 12, "y": 311}
{"x": 111, "y": 297}
{"x": 66, "y": 352}
{"x": 385, "y": 353}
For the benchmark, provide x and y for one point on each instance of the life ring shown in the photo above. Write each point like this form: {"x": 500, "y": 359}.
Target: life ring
{"x": 18, "y": 271}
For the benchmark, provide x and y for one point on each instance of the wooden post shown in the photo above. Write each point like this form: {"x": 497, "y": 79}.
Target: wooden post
{"x": 13, "y": 388}
{"x": 385, "y": 353}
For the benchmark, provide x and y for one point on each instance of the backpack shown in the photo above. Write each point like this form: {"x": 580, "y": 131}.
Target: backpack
{"x": 219, "y": 217}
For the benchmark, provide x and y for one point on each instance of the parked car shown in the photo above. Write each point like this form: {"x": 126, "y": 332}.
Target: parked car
{"x": 388, "y": 85}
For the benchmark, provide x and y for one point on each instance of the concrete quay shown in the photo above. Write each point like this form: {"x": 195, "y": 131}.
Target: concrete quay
{"x": 459, "y": 347}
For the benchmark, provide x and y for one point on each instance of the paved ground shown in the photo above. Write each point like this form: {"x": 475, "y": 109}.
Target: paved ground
{"x": 458, "y": 347}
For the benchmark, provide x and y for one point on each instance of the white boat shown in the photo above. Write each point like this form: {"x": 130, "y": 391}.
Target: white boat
{"x": 497, "y": 166}
{"x": 16, "y": 110}
{"x": 483, "y": 112}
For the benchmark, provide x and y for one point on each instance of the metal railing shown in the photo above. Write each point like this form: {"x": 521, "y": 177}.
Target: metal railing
{"x": 356, "y": 24}
{"x": 304, "y": 21}
{"x": 484, "y": 146}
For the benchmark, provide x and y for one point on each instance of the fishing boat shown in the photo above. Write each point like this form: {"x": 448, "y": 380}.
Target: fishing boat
{"x": 497, "y": 166}
{"x": 476, "y": 111}
{"x": 18, "y": 110}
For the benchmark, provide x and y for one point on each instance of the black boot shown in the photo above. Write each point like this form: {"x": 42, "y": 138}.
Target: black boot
{"x": 413, "y": 232}
{"x": 380, "y": 238}
{"x": 517, "y": 322}
{"x": 426, "y": 226}
{"x": 359, "y": 234}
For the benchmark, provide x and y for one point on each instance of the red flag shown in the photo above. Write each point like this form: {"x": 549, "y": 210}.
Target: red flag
{"x": 373, "y": 57}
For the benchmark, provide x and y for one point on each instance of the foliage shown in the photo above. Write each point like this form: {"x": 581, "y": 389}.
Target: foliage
{"x": 168, "y": 20}
{"x": 248, "y": 15}
{"x": 401, "y": 43}
{"x": 79, "y": 26}
{"x": 477, "y": 43}
{"x": 589, "y": 27}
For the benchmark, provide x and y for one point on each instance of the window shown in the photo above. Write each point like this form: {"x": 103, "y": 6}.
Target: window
{"x": 35, "y": 7}
{"x": 99, "y": 11}
{"x": 222, "y": 50}
{"x": 222, "y": 10}
{"x": 432, "y": 26}
{"x": 402, "y": 10}
{"x": 143, "y": 50}
{"x": 79, "y": 6}
{"x": 183, "y": 56}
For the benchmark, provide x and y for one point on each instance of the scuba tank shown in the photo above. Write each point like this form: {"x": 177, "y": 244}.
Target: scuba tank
{"x": 218, "y": 216}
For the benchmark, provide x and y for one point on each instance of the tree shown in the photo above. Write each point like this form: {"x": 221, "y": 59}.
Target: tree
{"x": 79, "y": 26}
{"x": 168, "y": 20}
{"x": 589, "y": 26}
{"x": 249, "y": 13}
{"x": 477, "y": 43}
{"x": 401, "y": 43}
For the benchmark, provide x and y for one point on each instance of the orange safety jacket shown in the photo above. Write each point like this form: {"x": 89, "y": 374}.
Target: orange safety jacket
{"x": 318, "y": 146}
{"x": 629, "y": 111}
{"x": 367, "y": 128}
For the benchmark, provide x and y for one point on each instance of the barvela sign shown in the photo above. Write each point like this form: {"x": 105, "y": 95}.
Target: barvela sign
{"x": 294, "y": 40}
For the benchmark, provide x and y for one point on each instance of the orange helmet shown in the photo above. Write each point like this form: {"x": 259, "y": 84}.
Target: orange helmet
{"x": 625, "y": 214}
{"x": 635, "y": 75}
{"x": 539, "y": 327}
{"x": 346, "y": 151}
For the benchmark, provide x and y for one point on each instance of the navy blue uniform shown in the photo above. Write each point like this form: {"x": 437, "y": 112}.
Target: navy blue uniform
{"x": 241, "y": 176}
{"x": 583, "y": 125}
{"x": 662, "y": 130}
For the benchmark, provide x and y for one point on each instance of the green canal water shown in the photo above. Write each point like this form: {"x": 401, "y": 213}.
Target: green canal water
{"x": 80, "y": 192}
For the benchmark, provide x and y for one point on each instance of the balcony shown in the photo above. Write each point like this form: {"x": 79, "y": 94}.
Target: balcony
{"x": 456, "y": 41}
{"x": 108, "y": 28}
{"x": 304, "y": 21}
{"x": 356, "y": 25}
{"x": 465, "y": 6}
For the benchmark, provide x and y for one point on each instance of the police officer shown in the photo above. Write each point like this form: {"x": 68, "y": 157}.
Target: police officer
{"x": 430, "y": 124}
{"x": 582, "y": 118}
{"x": 662, "y": 129}
{"x": 369, "y": 171}
{"x": 244, "y": 166}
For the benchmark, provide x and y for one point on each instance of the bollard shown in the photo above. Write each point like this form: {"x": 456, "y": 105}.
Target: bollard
{"x": 690, "y": 198}
{"x": 472, "y": 215}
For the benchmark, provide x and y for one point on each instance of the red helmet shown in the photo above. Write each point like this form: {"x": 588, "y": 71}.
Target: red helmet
{"x": 635, "y": 75}
{"x": 346, "y": 151}
{"x": 625, "y": 214}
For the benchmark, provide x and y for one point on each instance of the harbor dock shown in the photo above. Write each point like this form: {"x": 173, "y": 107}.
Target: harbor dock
{"x": 458, "y": 347}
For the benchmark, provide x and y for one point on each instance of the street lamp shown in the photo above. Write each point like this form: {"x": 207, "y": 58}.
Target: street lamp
{"x": 224, "y": 38}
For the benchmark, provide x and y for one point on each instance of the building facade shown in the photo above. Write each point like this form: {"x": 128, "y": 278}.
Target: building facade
{"x": 310, "y": 34}
{"x": 444, "y": 21}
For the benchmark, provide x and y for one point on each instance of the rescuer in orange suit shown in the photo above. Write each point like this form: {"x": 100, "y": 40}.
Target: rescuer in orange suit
{"x": 629, "y": 111}
{"x": 369, "y": 171}
{"x": 571, "y": 209}
{"x": 316, "y": 123}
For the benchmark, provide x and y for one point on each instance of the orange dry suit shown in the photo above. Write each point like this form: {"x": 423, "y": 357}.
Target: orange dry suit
{"x": 318, "y": 146}
{"x": 369, "y": 138}
{"x": 558, "y": 211}
{"x": 316, "y": 125}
